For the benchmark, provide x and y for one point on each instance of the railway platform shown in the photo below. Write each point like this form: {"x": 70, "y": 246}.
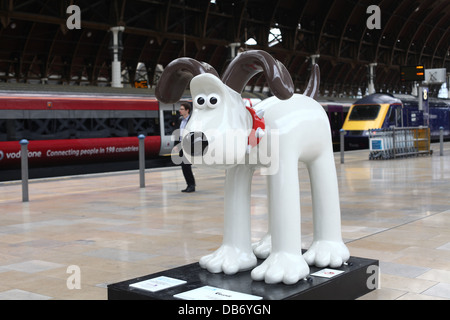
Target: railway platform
{"x": 78, "y": 234}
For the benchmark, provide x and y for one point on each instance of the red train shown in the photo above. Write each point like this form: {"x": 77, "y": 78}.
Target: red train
{"x": 71, "y": 127}
{"x": 68, "y": 125}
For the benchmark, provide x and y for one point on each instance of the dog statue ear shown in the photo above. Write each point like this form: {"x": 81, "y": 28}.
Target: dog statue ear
{"x": 249, "y": 63}
{"x": 312, "y": 89}
{"x": 176, "y": 77}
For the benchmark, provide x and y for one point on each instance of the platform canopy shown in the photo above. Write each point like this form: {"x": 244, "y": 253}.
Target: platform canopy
{"x": 36, "y": 44}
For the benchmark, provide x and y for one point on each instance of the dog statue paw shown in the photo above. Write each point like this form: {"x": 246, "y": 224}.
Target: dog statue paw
{"x": 284, "y": 267}
{"x": 327, "y": 253}
{"x": 228, "y": 260}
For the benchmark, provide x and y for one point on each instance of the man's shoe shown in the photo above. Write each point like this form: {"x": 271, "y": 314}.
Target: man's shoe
{"x": 189, "y": 189}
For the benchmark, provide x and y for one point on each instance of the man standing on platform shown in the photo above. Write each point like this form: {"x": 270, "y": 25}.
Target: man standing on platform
{"x": 185, "y": 112}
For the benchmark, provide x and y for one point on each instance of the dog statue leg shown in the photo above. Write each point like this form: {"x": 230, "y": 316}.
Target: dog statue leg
{"x": 285, "y": 262}
{"x": 327, "y": 248}
{"x": 236, "y": 253}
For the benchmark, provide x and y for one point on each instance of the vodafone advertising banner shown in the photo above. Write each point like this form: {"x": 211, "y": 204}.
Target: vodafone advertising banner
{"x": 42, "y": 153}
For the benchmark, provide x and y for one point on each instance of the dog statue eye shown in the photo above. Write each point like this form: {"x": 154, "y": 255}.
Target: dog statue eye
{"x": 213, "y": 100}
{"x": 200, "y": 101}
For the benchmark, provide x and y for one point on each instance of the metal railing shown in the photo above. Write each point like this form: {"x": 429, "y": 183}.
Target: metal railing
{"x": 399, "y": 142}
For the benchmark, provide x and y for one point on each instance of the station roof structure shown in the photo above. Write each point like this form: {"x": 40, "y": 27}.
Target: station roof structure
{"x": 36, "y": 44}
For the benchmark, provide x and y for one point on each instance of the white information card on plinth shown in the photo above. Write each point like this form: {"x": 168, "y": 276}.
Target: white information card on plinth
{"x": 212, "y": 293}
{"x": 327, "y": 273}
{"x": 157, "y": 284}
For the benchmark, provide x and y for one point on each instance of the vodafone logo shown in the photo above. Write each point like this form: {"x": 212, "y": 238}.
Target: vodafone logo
{"x": 2, "y": 155}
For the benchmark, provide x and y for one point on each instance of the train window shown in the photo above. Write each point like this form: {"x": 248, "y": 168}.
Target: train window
{"x": 17, "y": 130}
{"x": 115, "y": 127}
{"x": 76, "y": 128}
{"x": 121, "y": 127}
{"x": 91, "y": 128}
{"x": 365, "y": 112}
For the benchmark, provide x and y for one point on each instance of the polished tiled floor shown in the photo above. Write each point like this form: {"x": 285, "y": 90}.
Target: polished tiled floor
{"x": 396, "y": 211}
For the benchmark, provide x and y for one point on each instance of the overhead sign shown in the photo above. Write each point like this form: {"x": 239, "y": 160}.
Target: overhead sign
{"x": 412, "y": 73}
{"x": 435, "y": 76}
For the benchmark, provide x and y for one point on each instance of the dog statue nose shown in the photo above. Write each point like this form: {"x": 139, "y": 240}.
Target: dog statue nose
{"x": 195, "y": 144}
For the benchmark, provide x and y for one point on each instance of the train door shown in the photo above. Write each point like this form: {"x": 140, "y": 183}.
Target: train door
{"x": 396, "y": 116}
{"x": 336, "y": 117}
{"x": 168, "y": 115}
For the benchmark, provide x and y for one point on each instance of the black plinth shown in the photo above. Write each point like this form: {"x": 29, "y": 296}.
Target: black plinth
{"x": 356, "y": 281}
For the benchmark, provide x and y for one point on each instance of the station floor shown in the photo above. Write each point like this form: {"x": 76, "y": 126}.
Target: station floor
{"x": 106, "y": 229}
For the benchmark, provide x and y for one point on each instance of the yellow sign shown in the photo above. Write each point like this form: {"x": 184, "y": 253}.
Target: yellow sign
{"x": 141, "y": 84}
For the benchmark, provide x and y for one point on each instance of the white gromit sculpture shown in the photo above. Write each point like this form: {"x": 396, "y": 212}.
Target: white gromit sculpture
{"x": 274, "y": 136}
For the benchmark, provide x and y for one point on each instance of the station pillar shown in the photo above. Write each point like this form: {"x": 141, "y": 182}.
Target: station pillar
{"x": 371, "y": 76}
{"x": 423, "y": 105}
{"x": 116, "y": 49}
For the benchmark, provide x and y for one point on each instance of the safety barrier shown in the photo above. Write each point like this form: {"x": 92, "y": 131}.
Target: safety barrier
{"x": 24, "y": 169}
{"x": 399, "y": 142}
{"x": 24, "y": 165}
